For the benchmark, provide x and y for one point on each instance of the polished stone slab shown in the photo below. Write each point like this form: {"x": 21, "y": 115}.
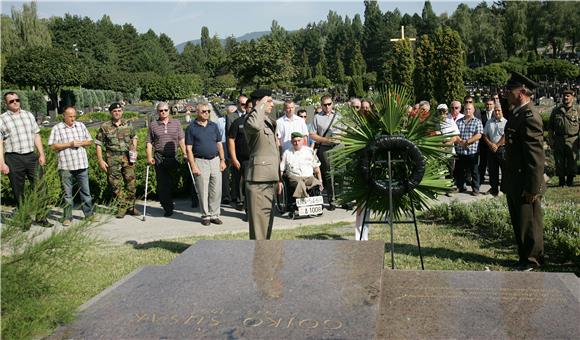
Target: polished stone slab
{"x": 478, "y": 305}
{"x": 245, "y": 290}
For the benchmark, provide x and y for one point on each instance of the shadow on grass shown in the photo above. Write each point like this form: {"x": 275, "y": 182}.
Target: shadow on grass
{"x": 321, "y": 236}
{"x": 446, "y": 253}
{"x": 174, "y": 247}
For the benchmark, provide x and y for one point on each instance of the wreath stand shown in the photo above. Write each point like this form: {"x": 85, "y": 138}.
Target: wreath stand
{"x": 390, "y": 215}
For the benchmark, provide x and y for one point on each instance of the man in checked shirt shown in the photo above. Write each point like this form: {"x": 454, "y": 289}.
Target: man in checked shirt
{"x": 470, "y": 131}
{"x": 69, "y": 139}
{"x": 19, "y": 136}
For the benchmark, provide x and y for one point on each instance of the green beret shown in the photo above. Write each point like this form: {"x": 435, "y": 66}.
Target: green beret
{"x": 296, "y": 135}
{"x": 570, "y": 92}
{"x": 518, "y": 80}
{"x": 260, "y": 93}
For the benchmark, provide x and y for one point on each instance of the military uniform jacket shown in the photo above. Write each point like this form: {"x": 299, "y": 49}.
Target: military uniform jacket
{"x": 524, "y": 168}
{"x": 115, "y": 138}
{"x": 263, "y": 165}
{"x": 564, "y": 124}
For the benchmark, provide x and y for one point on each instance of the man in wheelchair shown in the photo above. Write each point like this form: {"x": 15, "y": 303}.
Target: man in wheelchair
{"x": 301, "y": 168}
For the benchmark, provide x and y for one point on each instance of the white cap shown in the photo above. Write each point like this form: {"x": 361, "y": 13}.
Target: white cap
{"x": 442, "y": 107}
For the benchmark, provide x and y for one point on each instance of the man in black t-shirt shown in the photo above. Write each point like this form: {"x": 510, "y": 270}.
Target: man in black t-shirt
{"x": 239, "y": 155}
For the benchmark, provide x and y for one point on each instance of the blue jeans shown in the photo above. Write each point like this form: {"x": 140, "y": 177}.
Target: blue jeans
{"x": 82, "y": 178}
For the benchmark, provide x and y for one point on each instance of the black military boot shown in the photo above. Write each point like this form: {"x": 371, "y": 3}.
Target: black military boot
{"x": 570, "y": 181}
{"x": 561, "y": 181}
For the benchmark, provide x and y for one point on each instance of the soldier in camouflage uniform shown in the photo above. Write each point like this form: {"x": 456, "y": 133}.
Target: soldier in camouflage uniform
{"x": 118, "y": 137}
{"x": 563, "y": 135}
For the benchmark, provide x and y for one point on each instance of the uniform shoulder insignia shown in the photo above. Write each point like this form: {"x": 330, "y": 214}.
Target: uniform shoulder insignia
{"x": 529, "y": 114}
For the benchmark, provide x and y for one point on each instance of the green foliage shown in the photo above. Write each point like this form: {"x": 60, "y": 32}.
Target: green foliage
{"x": 448, "y": 63}
{"x": 176, "y": 86}
{"x": 553, "y": 69}
{"x": 403, "y": 64}
{"x": 491, "y": 75}
{"x": 389, "y": 118}
{"x": 561, "y": 231}
{"x": 423, "y": 77}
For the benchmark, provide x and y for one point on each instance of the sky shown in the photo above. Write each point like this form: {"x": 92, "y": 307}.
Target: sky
{"x": 182, "y": 20}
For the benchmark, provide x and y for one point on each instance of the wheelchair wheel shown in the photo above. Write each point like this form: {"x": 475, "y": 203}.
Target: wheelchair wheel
{"x": 281, "y": 200}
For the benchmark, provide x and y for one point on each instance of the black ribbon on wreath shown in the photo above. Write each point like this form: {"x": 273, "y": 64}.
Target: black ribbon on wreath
{"x": 408, "y": 168}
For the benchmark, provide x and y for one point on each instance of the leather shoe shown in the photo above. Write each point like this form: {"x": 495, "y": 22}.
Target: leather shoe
{"x": 475, "y": 193}
{"x": 216, "y": 221}
{"x": 66, "y": 223}
{"x": 205, "y": 222}
{"x": 133, "y": 212}
{"x": 44, "y": 223}
{"x": 331, "y": 207}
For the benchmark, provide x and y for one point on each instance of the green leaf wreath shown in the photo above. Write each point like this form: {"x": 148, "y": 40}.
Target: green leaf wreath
{"x": 389, "y": 117}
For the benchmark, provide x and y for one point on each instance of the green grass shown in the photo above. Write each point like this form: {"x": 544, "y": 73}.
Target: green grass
{"x": 444, "y": 247}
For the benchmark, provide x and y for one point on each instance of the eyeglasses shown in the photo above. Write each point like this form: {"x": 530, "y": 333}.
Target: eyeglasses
{"x": 456, "y": 107}
{"x": 204, "y": 111}
{"x": 356, "y": 107}
{"x": 326, "y": 104}
{"x": 14, "y": 101}
{"x": 163, "y": 110}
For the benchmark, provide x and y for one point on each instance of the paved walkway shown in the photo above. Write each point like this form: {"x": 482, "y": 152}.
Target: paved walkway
{"x": 186, "y": 221}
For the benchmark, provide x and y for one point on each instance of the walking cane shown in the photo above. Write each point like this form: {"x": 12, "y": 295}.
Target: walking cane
{"x": 192, "y": 178}
{"x": 146, "y": 186}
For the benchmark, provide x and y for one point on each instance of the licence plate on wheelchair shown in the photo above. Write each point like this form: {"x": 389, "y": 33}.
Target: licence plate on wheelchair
{"x": 313, "y": 200}
{"x": 310, "y": 210}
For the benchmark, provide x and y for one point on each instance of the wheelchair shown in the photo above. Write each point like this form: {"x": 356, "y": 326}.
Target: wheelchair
{"x": 309, "y": 206}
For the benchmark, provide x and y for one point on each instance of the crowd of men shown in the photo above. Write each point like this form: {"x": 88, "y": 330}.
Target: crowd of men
{"x": 242, "y": 157}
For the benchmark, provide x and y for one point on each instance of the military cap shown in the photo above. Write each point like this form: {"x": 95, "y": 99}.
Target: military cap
{"x": 296, "y": 135}
{"x": 518, "y": 80}
{"x": 260, "y": 93}
{"x": 570, "y": 92}
{"x": 115, "y": 106}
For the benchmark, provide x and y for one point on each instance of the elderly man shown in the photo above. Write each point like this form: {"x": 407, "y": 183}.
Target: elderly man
{"x": 523, "y": 180}
{"x": 164, "y": 136}
{"x": 324, "y": 132}
{"x": 119, "y": 139}
{"x": 262, "y": 174}
{"x": 205, "y": 155}
{"x": 300, "y": 165}
{"x": 563, "y": 129}
{"x": 470, "y": 131}
{"x": 455, "y": 113}
{"x": 356, "y": 104}
{"x": 483, "y": 149}
{"x": 493, "y": 137}
{"x": 69, "y": 139}
{"x": 288, "y": 124}
{"x": 19, "y": 136}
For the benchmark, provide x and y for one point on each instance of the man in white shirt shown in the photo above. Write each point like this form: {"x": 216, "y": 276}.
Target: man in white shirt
{"x": 493, "y": 136}
{"x": 288, "y": 124}
{"x": 301, "y": 166}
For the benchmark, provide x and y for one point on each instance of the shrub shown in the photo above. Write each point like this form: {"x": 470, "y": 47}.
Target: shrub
{"x": 490, "y": 218}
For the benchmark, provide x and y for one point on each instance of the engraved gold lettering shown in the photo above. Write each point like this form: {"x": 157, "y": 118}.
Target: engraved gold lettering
{"x": 200, "y": 320}
{"x": 153, "y": 318}
{"x": 252, "y": 322}
{"x": 290, "y": 322}
{"x": 141, "y": 317}
{"x": 188, "y": 319}
{"x": 275, "y": 323}
{"x": 175, "y": 319}
{"x": 328, "y": 322}
{"x": 314, "y": 323}
{"x": 215, "y": 322}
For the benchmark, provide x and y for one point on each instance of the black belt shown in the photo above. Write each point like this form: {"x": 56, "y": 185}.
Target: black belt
{"x": 206, "y": 158}
{"x": 19, "y": 154}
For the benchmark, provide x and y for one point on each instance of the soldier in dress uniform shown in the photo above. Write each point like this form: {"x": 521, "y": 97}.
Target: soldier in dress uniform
{"x": 119, "y": 139}
{"x": 523, "y": 179}
{"x": 262, "y": 174}
{"x": 563, "y": 135}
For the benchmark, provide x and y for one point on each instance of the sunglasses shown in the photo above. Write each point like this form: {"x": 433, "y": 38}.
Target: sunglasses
{"x": 469, "y": 101}
{"x": 456, "y": 107}
{"x": 163, "y": 110}
{"x": 205, "y": 111}
{"x": 14, "y": 101}
{"x": 327, "y": 104}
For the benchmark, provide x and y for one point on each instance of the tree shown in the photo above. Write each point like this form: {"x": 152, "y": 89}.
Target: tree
{"x": 486, "y": 42}
{"x": 403, "y": 64}
{"x": 150, "y": 56}
{"x": 169, "y": 87}
{"x": 168, "y": 47}
{"x": 491, "y": 75}
{"x": 374, "y": 39}
{"x": 448, "y": 63}
{"x": 554, "y": 69}
{"x": 429, "y": 20}
{"x": 423, "y": 78}
{"x": 515, "y": 28}
{"x": 192, "y": 59}
{"x": 49, "y": 68}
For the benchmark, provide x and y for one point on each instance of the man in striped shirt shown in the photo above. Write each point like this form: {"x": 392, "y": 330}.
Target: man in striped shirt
{"x": 19, "y": 136}
{"x": 163, "y": 138}
{"x": 69, "y": 139}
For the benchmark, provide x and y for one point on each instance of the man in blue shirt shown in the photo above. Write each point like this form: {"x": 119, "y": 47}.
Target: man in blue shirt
{"x": 205, "y": 155}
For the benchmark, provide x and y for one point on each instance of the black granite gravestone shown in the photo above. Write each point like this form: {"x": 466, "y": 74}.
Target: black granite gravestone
{"x": 478, "y": 305}
{"x": 245, "y": 289}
